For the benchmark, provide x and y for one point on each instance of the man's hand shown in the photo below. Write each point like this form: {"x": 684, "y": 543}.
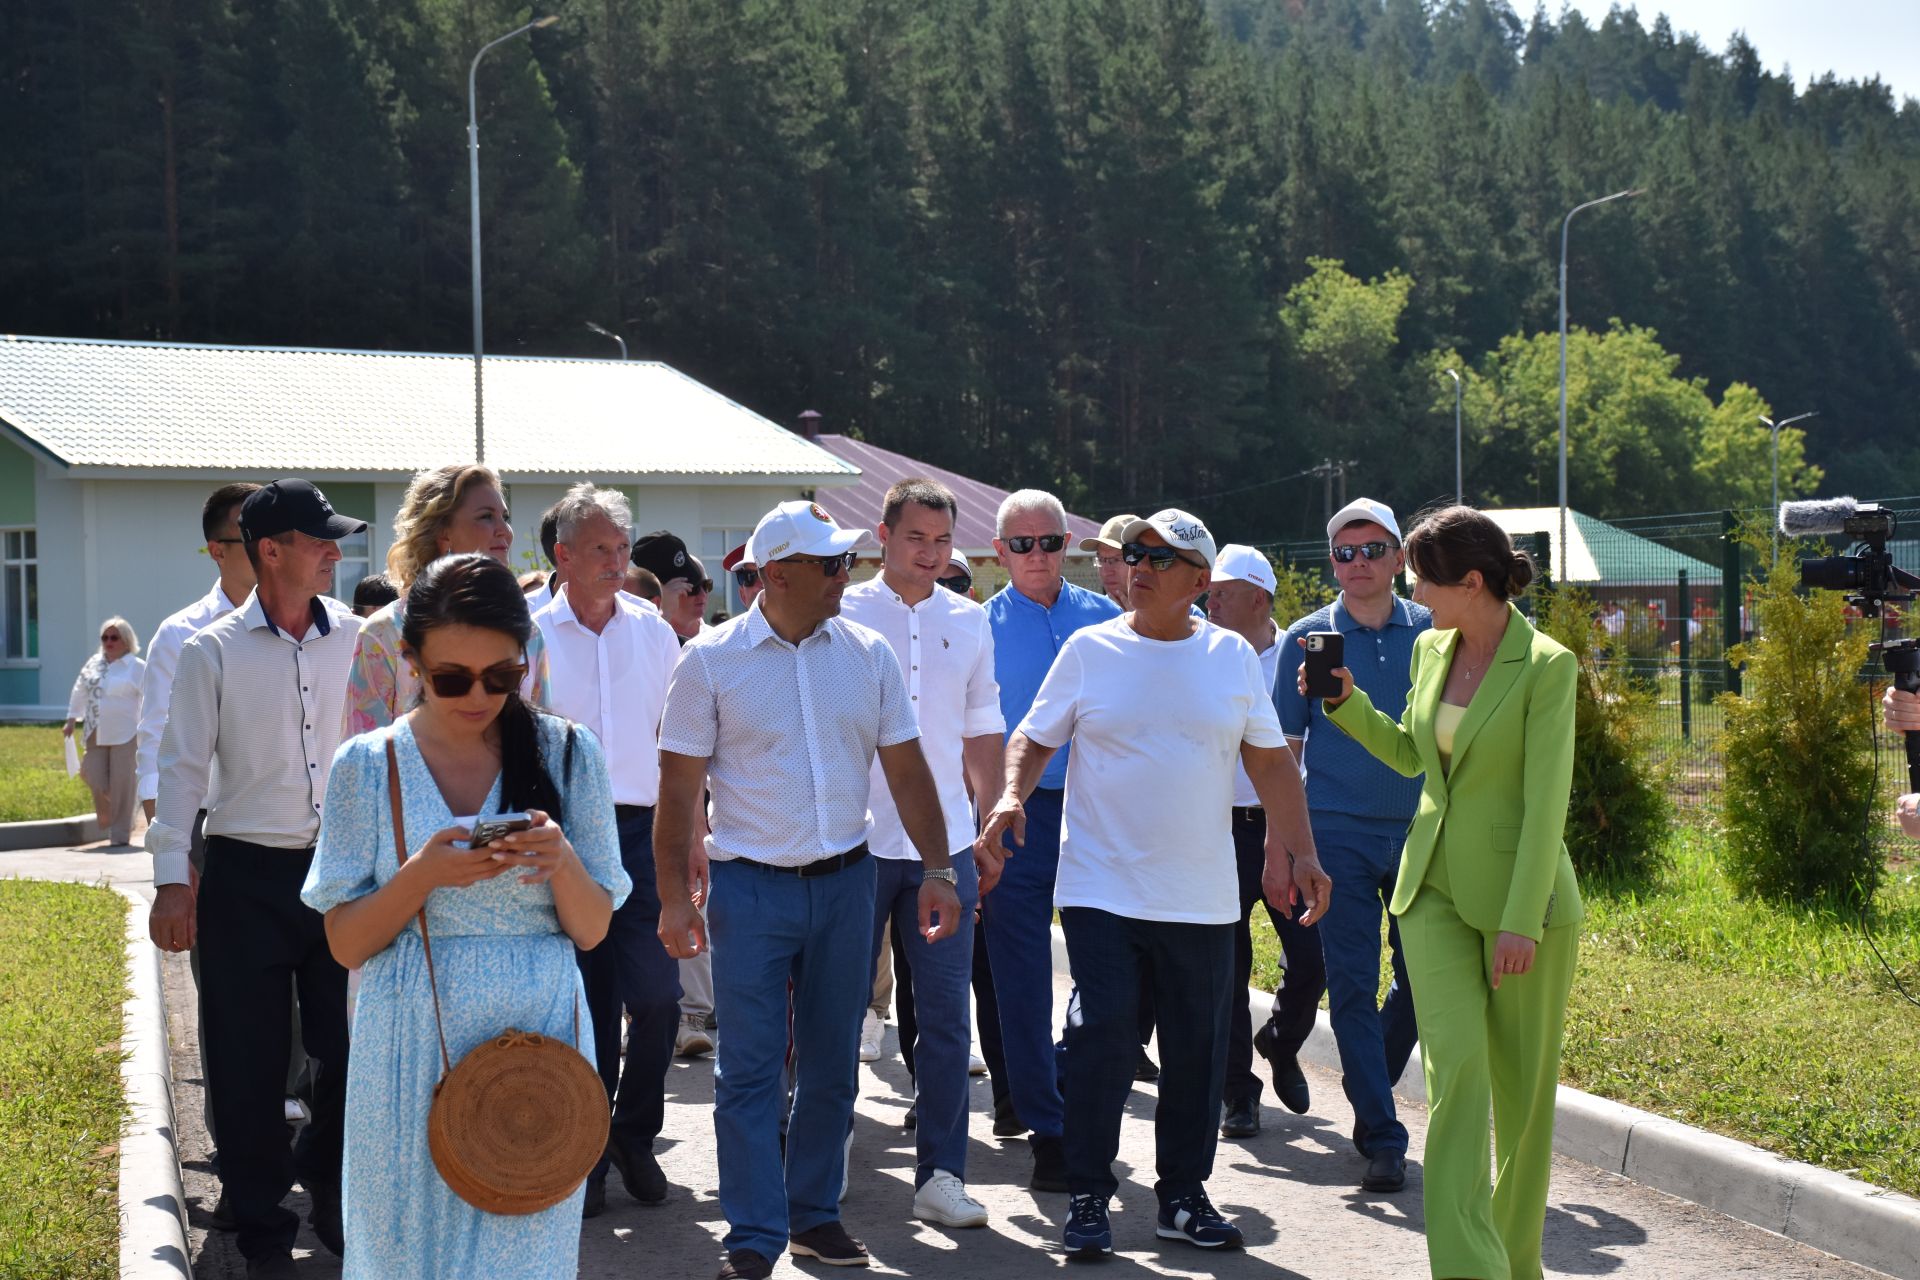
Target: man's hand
{"x": 989, "y": 864}
{"x": 937, "y": 897}
{"x": 699, "y": 874}
{"x": 1903, "y": 710}
{"x": 170, "y": 920}
{"x": 682, "y": 932}
{"x": 1008, "y": 814}
{"x": 1908, "y": 811}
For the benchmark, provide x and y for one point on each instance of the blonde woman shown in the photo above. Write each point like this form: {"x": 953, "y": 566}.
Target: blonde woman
{"x": 105, "y": 704}
{"x": 450, "y": 510}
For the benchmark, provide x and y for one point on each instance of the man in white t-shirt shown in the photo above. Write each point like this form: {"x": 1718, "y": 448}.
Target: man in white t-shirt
{"x": 1160, "y": 706}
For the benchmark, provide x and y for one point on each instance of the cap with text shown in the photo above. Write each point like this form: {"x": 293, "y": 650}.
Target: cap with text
{"x": 799, "y": 528}
{"x": 1369, "y": 509}
{"x": 1109, "y": 535}
{"x": 1177, "y": 529}
{"x": 294, "y": 506}
{"x": 1241, "y": 563}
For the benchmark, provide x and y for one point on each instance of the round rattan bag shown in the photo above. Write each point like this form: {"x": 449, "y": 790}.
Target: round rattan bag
{"x": 519, "y": 1124}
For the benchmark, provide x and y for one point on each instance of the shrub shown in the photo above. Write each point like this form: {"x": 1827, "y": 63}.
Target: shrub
{"x": 1298, "y": 592}
{"x": 1799, "y": 751}
{"x": 1618, "y": 817}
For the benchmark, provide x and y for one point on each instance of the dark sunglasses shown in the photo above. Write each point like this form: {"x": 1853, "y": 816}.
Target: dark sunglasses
{"x": 703, "y": 587}
{"x": 1371, "y": 550}
{"x": 832, "y": 566}
{"x": 744, "y": 578}
{"x": 110, "y": 635}
{"x": 959, "y": 582}
{"x": 1160, "y": 559}
{"x": 495, "y": 680}
{"x": 1049, "y": 543}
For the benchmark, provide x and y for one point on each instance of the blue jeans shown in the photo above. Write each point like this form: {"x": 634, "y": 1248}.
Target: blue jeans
{"x": 941, "y": 974}
{"x": 1189, "y": 968}
{"x": 1019, "y": 931}
{"x": 1375, "y": 1040}
{"x": 770, "y": 928}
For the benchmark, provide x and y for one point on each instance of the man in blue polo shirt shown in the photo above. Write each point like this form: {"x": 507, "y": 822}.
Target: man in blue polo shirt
{"x": 1031, "y": 618}
{"x": 1360, "y": 810}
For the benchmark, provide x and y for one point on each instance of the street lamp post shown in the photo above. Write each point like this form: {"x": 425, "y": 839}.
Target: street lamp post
{"x": 1564, "y": 226}
{"x": 1774, "y": 427}
{"x": 608, "y": 333}
{"x": 473, "y": 182}
{"x": 1459, "y": 455}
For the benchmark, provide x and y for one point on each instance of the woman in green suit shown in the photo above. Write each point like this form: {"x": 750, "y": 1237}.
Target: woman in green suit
{"x": 1488, "y": 906}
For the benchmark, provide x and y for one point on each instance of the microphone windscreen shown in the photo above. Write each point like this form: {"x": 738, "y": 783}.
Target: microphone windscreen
{"x": 1816, "y": 516}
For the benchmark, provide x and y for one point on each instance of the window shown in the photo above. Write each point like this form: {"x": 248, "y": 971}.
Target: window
{"x": 19, "y": 596}
{"x": 714, "y": 545}
{"x": 355, "y": 554}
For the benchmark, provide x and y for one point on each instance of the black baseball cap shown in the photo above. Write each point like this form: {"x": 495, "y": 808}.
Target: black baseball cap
{"x": 664, "y": 556}
{"x": 294, "y": 506}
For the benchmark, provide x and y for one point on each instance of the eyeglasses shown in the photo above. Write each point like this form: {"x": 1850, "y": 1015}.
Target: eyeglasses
{"x": 1049, "y": 543}
{"x": 495, "y": 680}
{"x": 113, "y": 636}
{"x": 1160, "y": 559}
{"x": 744, "y": 578}
{"x": 1371, "y": 550}
{"x": 957, "y": 582}
{"x": 832, "y": 566}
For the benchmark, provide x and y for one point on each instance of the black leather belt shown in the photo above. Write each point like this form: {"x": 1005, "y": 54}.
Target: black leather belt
{"x": 626, "y": 812}
{"x": 1249, "y": 812}
{"x": 820, "y": 867}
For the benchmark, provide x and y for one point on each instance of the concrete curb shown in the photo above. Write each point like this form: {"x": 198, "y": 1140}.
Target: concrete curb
{"x": 81, "y": 828}
{"x": 153, "y": 1205}
{"x": 1843, "y": 1216}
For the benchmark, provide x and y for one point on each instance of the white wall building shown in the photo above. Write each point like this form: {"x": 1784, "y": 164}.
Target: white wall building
{"x": 108, "y": 450}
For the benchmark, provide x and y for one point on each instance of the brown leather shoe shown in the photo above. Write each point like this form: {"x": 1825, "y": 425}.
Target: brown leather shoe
{"x": 745, "y": 1264}
{"x": 829, "y": 1243}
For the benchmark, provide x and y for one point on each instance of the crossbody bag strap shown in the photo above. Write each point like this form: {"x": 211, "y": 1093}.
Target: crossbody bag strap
{"x": 400, "y": 853}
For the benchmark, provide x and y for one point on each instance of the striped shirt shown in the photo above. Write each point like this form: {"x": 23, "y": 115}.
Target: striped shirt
{"x": 264, "y": 708}
{"x": 163, "y": 658}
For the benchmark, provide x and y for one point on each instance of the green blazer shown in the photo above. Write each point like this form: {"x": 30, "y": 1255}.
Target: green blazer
{"x": 1499, "y": 817}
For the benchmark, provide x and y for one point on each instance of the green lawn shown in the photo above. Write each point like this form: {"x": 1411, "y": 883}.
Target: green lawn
{"x": 63, "y": 951}
{"x": 1772, "y": 1024}
{"x": 33, "y": 776}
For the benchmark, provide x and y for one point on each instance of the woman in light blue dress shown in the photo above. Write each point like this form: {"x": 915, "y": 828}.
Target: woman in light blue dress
{"x": 503, "y": 919}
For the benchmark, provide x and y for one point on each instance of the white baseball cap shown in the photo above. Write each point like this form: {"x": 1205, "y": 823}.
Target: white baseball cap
{"x": 799, "y": 528}
{"x": 1241, "y": 563}
{"x": 958, "y": 561}
{"x": 1178, "y": 529}
{"x": 1364, "y": 509}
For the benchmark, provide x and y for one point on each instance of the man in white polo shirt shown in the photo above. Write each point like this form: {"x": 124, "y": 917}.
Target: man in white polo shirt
{"x": 945, "y": 650}
{"x": 1241, "y": 600}
{"x": 1160, "y": 707}
{"x": 611, "y": 657}
{"x": 783, "y": 711}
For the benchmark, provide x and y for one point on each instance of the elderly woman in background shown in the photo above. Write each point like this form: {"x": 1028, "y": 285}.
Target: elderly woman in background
{"x": 448, "y": 511}
{"x": 106, "y": 703}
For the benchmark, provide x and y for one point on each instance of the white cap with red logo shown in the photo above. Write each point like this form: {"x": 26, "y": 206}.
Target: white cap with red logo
{"x": 1241, "y": 563}
{"x": 799, "y": 528}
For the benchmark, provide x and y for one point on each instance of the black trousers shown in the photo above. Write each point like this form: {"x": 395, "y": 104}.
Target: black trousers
{"x": 1297, "y": 1003}
{"x": 259, "y": 944}
{"x": 631, "y": 970}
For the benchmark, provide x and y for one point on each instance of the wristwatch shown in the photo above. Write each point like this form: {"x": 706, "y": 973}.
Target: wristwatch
{"x": 944, "y": 873}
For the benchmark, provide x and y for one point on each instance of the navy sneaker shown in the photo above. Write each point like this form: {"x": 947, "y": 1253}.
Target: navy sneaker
{"x": 1089, "y": 1235}
{"x": 1194, "y": 1219}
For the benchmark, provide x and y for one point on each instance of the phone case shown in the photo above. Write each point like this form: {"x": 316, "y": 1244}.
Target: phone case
{"x": 1322, "y": 662}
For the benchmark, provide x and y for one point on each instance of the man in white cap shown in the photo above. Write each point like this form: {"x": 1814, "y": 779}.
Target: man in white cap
{"x": 1360, "y": 811}
{"x": 783, "y": 710}
{"x": 1105, "y": 546}
{"x": 1241, "y": 600}
{"x": 1160, "y": 706}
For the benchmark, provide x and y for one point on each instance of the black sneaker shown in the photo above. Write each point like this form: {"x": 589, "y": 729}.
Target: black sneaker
{"x": 1194, "y": 1219}
{"x": 1289, "y": 1081}
{"x": 1088, "y": 1235}
{"x": 1386, "y": 1171}
{"x": 639, "y": 1170}
{"x": 829, "y": 1243}
{"x": 1146, "y": 1070}
{"x": 1242, "y": 1118}
{"x": 1006, "y": 1121}
{"x": 1049, "y": 1164}
{"x": 745, "y": 1264}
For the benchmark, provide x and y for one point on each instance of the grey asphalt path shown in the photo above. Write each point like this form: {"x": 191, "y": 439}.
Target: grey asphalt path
{"x": 1292, "y": 1189}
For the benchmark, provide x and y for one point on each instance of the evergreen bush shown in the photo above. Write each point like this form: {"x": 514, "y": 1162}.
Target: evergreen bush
{"x": 1620, "y": 809}
{"x": 1799, "y": 751}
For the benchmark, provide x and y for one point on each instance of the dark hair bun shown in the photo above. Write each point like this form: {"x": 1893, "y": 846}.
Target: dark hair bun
{"x": 1521, "y": 576}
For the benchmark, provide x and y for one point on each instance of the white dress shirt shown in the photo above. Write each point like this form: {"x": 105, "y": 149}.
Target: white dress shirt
{"x": 116, "y": 706}
{"x": 163, "y": 657}
{"x": 945, "y": 650}
{"x": 1244, "y": 796}
{"x": 265, "y": 708}
{"x": 789, "y": 733}
{"x": 615, "y": 683}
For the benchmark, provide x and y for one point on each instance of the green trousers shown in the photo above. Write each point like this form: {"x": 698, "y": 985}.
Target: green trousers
{"x": 1482, "y": 1047}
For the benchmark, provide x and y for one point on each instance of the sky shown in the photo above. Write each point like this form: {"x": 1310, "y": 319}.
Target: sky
{"x": 1855, "y": 39}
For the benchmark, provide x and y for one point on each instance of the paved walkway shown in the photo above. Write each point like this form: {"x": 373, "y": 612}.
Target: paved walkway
{"x": 1292, "y": 1189}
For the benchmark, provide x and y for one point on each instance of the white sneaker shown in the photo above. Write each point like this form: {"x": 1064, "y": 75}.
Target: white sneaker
{"x": 943, "y": 1199}
{"x": 870, "y": 1032}
{"x": 693, "y": 1039}
{"x": 846, "y": 1169}
{"x": 976, "y": 1065}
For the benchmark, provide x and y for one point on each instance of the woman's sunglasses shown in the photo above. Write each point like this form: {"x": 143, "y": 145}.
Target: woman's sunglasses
{"x": 1160, "y": 559}
{"x": 495, "y": 680}
{"x": 958, "y": 582}
{"x": 1049, "y": 543}
{"x": 1371, "y": 550}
